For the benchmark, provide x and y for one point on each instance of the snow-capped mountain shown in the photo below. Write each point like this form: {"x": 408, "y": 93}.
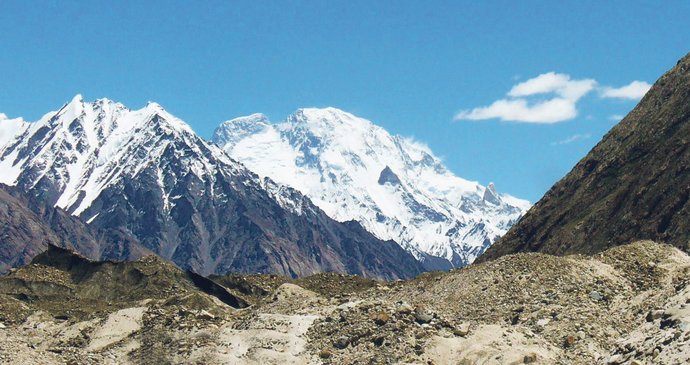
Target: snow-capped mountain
{"x": 10, "y": 128}
{"x": 147, "y": 172}
{"x": 395, "y": 187}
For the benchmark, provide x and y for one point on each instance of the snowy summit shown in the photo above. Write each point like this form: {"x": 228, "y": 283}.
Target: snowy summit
{"x": 395, "y": 187}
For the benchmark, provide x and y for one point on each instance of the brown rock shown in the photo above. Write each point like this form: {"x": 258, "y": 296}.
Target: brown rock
{"x": 569, "y": 341}
{"x": 381, "y": 318}
{"x": 325, "y": 354}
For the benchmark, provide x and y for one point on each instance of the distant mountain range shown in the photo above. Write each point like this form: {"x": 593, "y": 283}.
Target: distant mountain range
{"x": 395, "y": 187}
{"x": 146, "y": 172}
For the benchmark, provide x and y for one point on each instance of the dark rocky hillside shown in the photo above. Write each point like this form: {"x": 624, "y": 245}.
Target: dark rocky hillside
{"x": 29, "y": 226}
{"x": 634, "y": 184}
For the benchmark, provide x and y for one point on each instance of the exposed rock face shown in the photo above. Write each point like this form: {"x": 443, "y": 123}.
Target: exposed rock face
{"x": 387, "y": 176}
{"x": 634, "y": 184}
{"x": 145, "y": 172}
{"x": 29, "y": 226}
{"x": 490, "y": 195}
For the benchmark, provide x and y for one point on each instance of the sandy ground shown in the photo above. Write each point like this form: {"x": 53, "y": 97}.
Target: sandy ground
{"x": 271, "y": 339}
{"x": 117, "y": 327}
{"x": 491, "y": 344}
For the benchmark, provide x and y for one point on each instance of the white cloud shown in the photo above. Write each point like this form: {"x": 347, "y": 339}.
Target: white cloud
{"x": 564, "y": 91}
{"x": 632, "y": 91}
{"x": 616, "y": 117}
{"x": 571, "y": 139}
{"x": 552, "y": 82}
{"x": 518, "y": 110}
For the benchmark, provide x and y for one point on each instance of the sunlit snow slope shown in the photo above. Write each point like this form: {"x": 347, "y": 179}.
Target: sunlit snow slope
{"x": 395, "y": 187}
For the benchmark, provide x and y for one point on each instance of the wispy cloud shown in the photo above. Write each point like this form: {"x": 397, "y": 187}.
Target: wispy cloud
{"x": 548, "y": 98}
{"x": 564, "y": 93}
{"x": 632, "y": 91}
{"x": 571, "y": 139}
{"x": 616, "y": 117}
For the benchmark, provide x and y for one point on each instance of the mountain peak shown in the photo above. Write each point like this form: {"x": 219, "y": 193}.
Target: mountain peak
{"x": 77, "y": 99}
{"x": 247, "y": 121}
{"x": 10, "y": 128}
{"x": 251, "y": 118}
{"x": 153, "y": 106}
{"x": 97, "y": 133}
{"x": 490, "y": 194}
{"x": 394, "y": 186}
{"x": 73, "y": 108}
{"x": 234, "y": 129}
{"x": 321, "y": 119}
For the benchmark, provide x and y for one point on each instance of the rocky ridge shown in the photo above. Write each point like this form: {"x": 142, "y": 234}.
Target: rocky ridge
{"x": 634, "y": 184}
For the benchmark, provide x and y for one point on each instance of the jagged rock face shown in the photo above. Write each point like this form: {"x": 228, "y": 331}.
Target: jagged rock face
{"x": 29, "y": 226}
{"x": 634, "y": 184}
{"x": 396, "y": 188}
{"x": 490, "y": 195}
{"x": 147, "y": 172}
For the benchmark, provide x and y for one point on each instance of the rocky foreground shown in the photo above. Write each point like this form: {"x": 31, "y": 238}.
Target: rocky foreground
{"x": 627, "y": 305}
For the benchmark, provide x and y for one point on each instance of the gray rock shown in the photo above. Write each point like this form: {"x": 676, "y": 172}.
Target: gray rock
{"x": 423, "y": 316}
{"x": 341, "y": 342}
{"x": 595, "y": 295}
{"x": 462, "y": 330}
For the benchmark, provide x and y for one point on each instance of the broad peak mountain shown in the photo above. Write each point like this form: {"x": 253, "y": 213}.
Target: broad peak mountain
{"x": 394, "y": 186}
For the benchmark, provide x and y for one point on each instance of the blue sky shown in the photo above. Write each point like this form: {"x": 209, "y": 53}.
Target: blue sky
{"x": 412, "y": 67}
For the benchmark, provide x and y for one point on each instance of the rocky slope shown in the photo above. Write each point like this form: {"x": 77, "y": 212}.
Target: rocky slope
{"x": 395, "y": 187}
{"x": 634, "y": 184}
{"x": 147, "y": 173}
{"x": 627, "y": 305}
{"x": 29, "y": 226}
